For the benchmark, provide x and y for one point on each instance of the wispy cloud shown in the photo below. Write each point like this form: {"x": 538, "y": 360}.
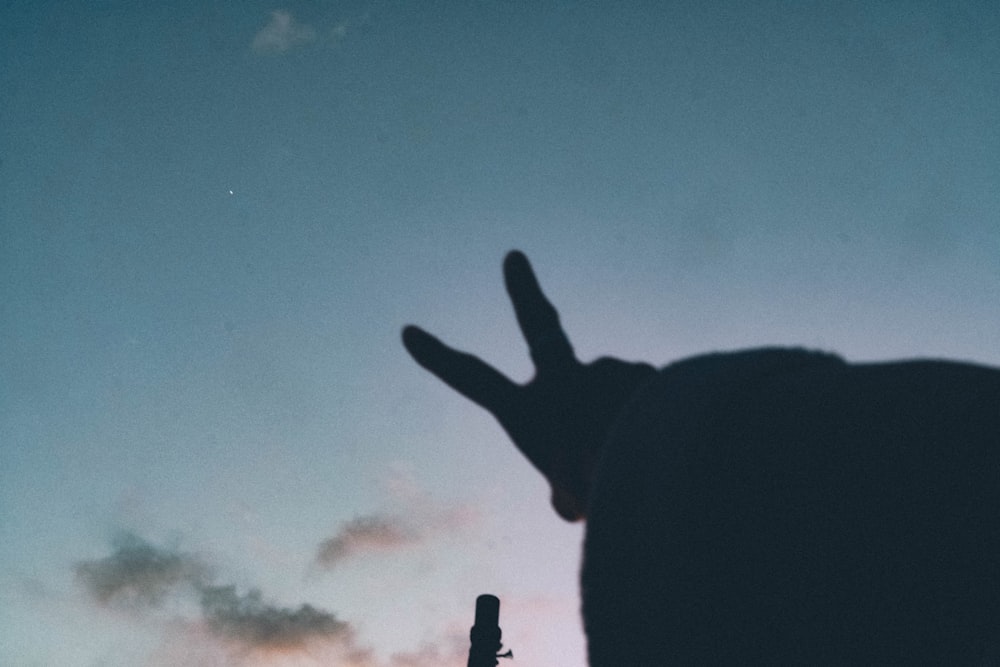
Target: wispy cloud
{"x": 249, "y": 621}
{"x": 282, "y": 32}
{"x": 373, "y": 533}
{"x": 196, "y": 644}
{"x": 140, "y": 576}
{"x": 138, "y": 573}
{"x": 339, "y": 31}
{"x": 366, "y": 534}
{"x": 453, "y": 652}
{"x": 240, "y": 629}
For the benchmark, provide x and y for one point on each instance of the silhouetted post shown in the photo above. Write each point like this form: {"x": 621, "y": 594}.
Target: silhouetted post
{"x": 485, "y": 633}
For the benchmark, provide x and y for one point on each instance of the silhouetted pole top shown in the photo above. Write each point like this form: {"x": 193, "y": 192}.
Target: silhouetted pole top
{"x": 485, "y": 633}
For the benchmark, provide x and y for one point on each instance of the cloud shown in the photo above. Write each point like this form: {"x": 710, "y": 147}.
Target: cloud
{"x": 374, "y": 533}
{"x": 249, "y": 621}
{"x": 339, "y": 31}
{"x": 455, "y": 652}
{"x": 366, "y": 534}
{"x": 411, "y": 518}
{"x": 138, "y": 573}
{"x": 140, "y": 576}
{"x": 210, "y": 622}
{"x": 282, "y": 32}
{"x": 196, "y": 644}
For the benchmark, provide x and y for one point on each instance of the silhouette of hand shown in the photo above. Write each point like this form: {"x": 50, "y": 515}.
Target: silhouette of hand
{"x": 561, "y": 418}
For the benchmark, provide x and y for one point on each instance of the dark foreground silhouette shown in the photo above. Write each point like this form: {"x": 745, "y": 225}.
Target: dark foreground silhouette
{"x": 484, "y": 636}
{"x": 762, "y": 507}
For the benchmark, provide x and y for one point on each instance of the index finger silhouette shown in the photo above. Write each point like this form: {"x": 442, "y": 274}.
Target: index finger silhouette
{"x": 537, "y": 317}
{"x": 465, "y": 373}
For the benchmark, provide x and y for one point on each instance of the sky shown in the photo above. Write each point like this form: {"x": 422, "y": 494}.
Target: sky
{"x": 216, "y": 217}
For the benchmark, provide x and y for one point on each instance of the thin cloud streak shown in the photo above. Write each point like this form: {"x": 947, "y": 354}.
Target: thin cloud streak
{"x": 366, "y": 534}
{"x": 433, "y": 655}
{"x": 282, "y": 33}
{"x": 384, "y": 533}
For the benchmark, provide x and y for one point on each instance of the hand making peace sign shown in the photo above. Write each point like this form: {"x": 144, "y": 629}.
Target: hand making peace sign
{"x": 559, "y": 419}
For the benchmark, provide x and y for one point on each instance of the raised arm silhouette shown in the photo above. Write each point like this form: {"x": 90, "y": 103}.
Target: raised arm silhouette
{"x": 762, "y": 507}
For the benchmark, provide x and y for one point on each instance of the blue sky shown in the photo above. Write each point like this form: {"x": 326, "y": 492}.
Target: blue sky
{"x": 215, "y": 218}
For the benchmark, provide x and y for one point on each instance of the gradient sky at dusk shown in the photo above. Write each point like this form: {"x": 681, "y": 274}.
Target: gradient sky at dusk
{"x": 215, "y": 218}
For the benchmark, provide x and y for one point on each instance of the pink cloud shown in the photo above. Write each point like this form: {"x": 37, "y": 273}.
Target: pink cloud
{"x": 366, "y": 534}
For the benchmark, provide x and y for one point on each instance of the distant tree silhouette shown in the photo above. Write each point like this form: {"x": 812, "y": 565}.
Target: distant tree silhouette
{"x": 762, "y": 507}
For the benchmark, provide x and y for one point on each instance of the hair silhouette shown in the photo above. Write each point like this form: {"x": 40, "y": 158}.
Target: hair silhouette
{"x": 772, "y": 506}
